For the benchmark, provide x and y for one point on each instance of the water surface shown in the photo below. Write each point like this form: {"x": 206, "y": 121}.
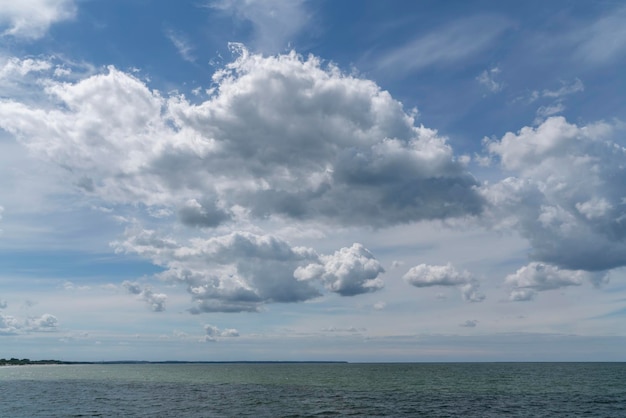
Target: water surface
{"x": 315, "y": 390}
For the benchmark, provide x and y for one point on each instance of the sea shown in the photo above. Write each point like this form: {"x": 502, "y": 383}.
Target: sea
{"x": 315, "y": 390}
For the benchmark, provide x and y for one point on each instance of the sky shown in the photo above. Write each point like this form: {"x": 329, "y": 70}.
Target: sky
{"x": 352, "y": 180}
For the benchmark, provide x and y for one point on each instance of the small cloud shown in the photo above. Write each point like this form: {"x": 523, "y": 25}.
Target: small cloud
{"x": 565, "y": 90}
{"x": 182, "y": 44}
{"x": 28, "y": 304}
{"x": 45, "y": 322}
{"x": 9, "y": 325}
{"x": 349, "y": 330}
{"x": 488, "y": 79}
{"x": 396, "y": 264}
{"x": 470, "y": 292}
{"x": 379, "y": 306}
{"x": 425, "y": 275}
{"x": 156, "y": 301}
{"x": 213, "y": 333}
{"x": 543, "y": 112}
{"x": 470, "y": 323}
{"x": 538, "y": 277}
{"x": 67, "y": 285}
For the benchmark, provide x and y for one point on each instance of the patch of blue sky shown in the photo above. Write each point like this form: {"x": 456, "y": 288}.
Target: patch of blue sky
{"x": 69, "y": 265}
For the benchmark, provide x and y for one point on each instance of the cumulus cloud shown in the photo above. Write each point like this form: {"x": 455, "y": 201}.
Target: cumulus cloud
{"x": 539, "y": 277}
{"x": 470, "y": 292}
{"x": 281, "y": 136}
{"x": 425, "y": 275}
{"x": 10, "y": 325}
{"x": 242, "y": 271}
{"x": 213, "y": 333}
{"x": 45, "y": 322}
{"x": 349, "y": 271}
{"x": 13, "y": 69}
{"x": 156, "y": 301}
{"x": 3, "y": 304}
{"x": 30, "y": 19}
{"x": 566, "y": 193}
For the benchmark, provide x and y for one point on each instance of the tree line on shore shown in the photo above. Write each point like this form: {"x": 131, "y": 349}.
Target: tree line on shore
{"x": 25, "y": 361}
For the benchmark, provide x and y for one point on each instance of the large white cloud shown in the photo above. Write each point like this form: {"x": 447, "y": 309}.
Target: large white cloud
{"x": 280, "y": 136}
{"x": 30, "y": 19}
{"x": 567, "y": 192}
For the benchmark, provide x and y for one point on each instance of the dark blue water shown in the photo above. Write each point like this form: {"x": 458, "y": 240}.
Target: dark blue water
{"x": 316, "y": 390}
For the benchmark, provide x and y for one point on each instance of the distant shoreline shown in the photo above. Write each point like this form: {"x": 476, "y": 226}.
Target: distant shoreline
{"x": 27, "y": 362}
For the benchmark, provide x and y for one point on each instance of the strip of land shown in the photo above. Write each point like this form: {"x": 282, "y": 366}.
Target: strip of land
{"x": 24, "y": 362}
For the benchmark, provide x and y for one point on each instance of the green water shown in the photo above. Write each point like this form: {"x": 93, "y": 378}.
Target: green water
{"x": 225, "y": 390}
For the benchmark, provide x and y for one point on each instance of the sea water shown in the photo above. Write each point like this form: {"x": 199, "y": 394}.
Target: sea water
{"x": 315, "y": 390}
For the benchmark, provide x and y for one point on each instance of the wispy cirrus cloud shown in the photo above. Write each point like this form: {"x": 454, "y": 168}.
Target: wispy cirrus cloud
{"x": 275, "y": 23}
{"x": 181, "y": 43}
{"x": 448, "y": 45}
{"x": 602, "y": 40}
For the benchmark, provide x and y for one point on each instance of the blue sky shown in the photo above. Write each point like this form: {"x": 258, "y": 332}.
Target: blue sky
{"x": 312, "y": 180}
